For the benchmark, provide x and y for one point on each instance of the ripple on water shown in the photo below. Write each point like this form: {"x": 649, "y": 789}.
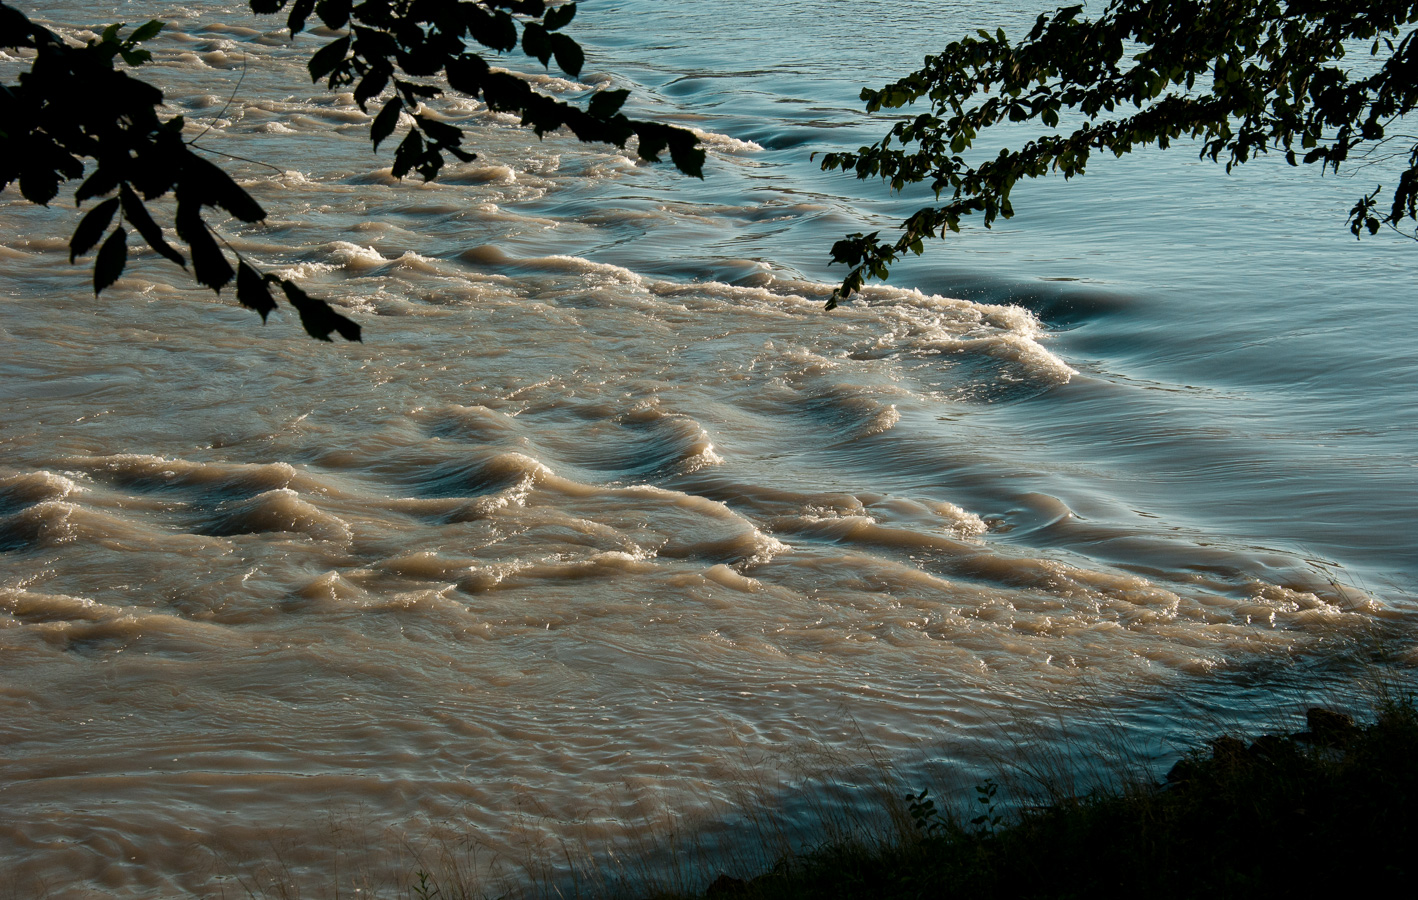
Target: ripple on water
{"x": 607, "y": 501}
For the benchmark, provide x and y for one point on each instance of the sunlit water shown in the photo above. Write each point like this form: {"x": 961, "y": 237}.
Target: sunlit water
{"x": 606, "y": 498}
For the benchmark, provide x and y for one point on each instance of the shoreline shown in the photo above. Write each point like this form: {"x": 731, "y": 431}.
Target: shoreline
{"x": 1308, "y": 813}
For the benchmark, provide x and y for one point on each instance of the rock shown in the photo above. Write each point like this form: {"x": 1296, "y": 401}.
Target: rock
{"x": 1329, "y": 728}
{"x": 1182, "y": 772}
{"x": 1270, "y": 746}
{"x": 1228, "y": 749}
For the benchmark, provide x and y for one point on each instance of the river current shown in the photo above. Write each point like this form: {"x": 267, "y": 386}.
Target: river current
{"x": 606, "y": 502}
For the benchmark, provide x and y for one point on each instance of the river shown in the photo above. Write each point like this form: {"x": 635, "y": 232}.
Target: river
{"x": 606, "y": 504}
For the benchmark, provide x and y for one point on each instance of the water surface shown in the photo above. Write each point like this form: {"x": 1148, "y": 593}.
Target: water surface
{"x": 606, "y": 498}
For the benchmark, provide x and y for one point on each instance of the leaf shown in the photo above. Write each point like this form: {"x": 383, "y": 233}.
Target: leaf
{"x": 112, "y": 256}
{"x": 683, "y": 145}
{"x": 137, "y": 215}
{"x": 440, "y": 132}
{"x": 153, "y": 175}
{"x": 686, "y": 153}
{"x": 317, "y": 316}
{"x": 491, "y": 29}
{"x": 334, "y": 13}
{"x": 415, "y": 89}
{"x": 652, "y": 141}
{"x": 216, "y": 188}
{"x": 616, "y": 130}
{"x": 266, "y": 7}
{"x": 299, "y": 12}
{"x": 91, "y": 228}
{"x": 372, "y": 85}
{"x": 135, "y": 58}
{"x": 38, "y": 183}
{"x": 209, "y": 265}
{"x": 101, "y": 182}
{"x": 568, "y": 54}
{"x": 559, "y": 17}
{"x": 110, "y": 34}
{"x": 374, "y": 45}
{"x": 328, "y": 58}
{"x": 536, "y": 42}
{"x": 607, "y": 103}
{"x": 146, "y": 32}
{"x": 503, "y": 92}
{"x": 466, "y": 73}
{"x": 252, "y": 292}
{"x": 386, "y": 120}
{"x": 15, "y": 29}
{"x": 407, "y": 154}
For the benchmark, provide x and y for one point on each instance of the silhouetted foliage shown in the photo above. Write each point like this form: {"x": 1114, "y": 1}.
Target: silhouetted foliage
{"x": 78, "y": 104}
{"x": 1244, "y": 77}
{"x": 1241, "y": 819}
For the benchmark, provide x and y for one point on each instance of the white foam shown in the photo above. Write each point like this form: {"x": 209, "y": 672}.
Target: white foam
{"x": 356, "y": 257}
{"x": 724, "y": 143}
{"x": 552, "y": 83}
{"x": 34, "y": 487}
{"x": 581, "y": 266}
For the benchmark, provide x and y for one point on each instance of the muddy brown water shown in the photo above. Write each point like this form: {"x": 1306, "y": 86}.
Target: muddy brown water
{"x": 606, "y": 500}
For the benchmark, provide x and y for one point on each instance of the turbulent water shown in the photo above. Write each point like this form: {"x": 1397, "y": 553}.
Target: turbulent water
{"x": 607, "y": 500}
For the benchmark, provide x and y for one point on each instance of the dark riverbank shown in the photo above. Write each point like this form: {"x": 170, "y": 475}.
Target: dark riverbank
{"x": 1326, "y": 812}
